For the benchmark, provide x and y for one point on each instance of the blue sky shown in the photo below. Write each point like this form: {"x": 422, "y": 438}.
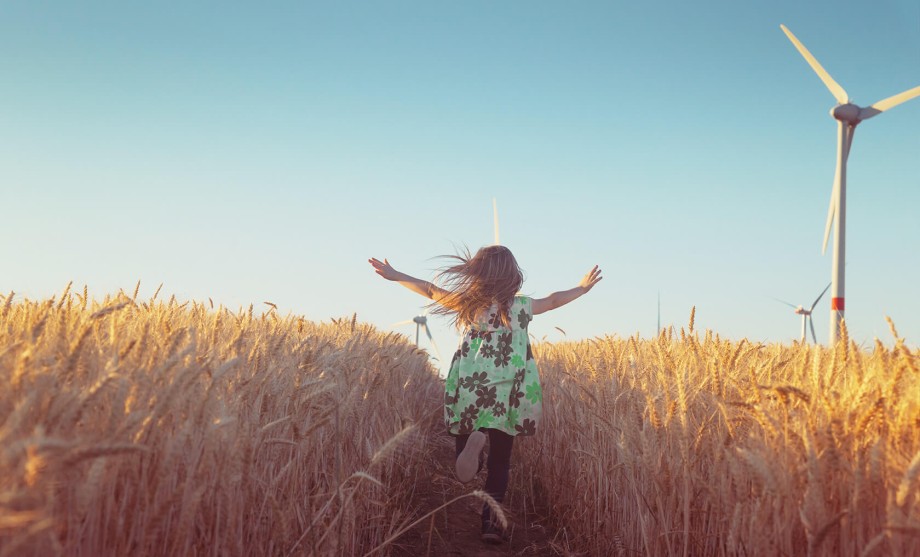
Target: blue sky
{"x": 248, "y": 153}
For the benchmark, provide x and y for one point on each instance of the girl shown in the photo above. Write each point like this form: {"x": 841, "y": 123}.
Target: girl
{"x": 492, "y": 387}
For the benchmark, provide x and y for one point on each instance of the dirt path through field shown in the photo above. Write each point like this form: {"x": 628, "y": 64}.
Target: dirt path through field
{"x": 454, "y": 531}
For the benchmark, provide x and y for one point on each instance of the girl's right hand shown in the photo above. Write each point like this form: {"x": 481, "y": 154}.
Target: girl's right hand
{"x": 384, "y": 269}
{"x": 590, "y": 279}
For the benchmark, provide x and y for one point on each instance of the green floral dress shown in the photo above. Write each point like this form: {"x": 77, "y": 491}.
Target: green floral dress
{"x": 493, "y": 380}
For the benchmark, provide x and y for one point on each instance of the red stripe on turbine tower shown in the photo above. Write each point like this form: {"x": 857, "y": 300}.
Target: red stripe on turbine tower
{"x": 837, "y": 304}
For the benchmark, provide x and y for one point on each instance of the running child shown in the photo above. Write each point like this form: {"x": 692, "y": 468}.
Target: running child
{"x": 492, "y": 387}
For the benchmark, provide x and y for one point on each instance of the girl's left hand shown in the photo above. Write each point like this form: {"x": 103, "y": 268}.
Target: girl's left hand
{"x": 384, "y": 269}
{"x": 590, "y": 279}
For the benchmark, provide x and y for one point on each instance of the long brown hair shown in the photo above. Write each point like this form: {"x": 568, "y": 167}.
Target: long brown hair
{"x": 475, "y": 282}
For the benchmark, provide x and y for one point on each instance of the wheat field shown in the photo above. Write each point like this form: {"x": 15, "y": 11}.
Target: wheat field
{"x": 150, "y": 427}
{"x": 692, "y": 445}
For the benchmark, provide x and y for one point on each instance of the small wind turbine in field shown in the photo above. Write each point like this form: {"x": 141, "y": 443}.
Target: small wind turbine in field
{"x": 421, "y": 321}
{"x": 848, "y": 116}
{"x": 806, "y": 314}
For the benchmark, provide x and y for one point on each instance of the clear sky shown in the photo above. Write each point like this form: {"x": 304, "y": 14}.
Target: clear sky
{"x": 263, "y": 151}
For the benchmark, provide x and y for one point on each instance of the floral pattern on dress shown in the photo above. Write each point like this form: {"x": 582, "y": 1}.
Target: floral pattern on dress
{"x": 524, "y": 318}
{"x": 493, "y": 380}
{"x": 474, "y": 381}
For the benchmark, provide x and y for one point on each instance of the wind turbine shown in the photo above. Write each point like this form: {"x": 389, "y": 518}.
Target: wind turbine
{"x": 848, "y": 116}
{"x": 421, "y": 321}
{"x": 806, "y": 314}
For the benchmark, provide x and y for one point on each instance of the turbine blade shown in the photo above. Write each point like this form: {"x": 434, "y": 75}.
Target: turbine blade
{"x": 819, "y": 296}
{"x": 829, "y": 82}
{"x": 835, "y": 192}
{"x": 812, "y": 323}
{"x": 401, "y": 323}
{"x": 890, "y": 102}
{"x": 495, "y": 219}
{"x": 433, "y": 343}
{"x": 784, "y": 302}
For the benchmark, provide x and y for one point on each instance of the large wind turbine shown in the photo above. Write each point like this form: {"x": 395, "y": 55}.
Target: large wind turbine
{"x": 848, "y": 116}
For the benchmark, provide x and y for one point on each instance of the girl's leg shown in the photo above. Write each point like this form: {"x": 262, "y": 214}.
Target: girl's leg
{"x": 460, "y": 442}
{"x": 499, "y": 464}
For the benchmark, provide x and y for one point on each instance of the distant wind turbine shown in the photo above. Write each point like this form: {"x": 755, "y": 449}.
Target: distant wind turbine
{"x": 848, "y": 116}
{"x": 806, "y": 314}
{"x": 421, "y": 321}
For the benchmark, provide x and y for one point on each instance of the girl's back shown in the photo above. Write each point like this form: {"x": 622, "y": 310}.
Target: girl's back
{"x": 493, "y": 380}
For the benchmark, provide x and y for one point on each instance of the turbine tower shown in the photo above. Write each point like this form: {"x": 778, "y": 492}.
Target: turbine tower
{"x": 495, "y": 219}
{"x": 848, "y": 116}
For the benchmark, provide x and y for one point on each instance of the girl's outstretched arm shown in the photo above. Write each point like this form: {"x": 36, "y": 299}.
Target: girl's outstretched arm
{"x": 559, "y": 299}
{"x": 419, "y": 286}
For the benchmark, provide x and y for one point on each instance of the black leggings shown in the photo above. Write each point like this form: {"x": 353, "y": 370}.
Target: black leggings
{"x": 499, "y": 464}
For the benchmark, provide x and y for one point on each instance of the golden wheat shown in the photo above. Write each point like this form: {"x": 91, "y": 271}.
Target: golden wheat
{"x": 136, "y": 427}
{"x": 774, "y": 449}
{"x": 166, "y": 428}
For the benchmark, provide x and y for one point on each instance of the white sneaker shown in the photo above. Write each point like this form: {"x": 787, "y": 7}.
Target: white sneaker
{"x": 468, "y": 461}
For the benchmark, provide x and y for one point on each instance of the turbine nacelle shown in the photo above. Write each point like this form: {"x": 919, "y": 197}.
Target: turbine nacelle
{"x": 849, "y": 113}
{"x": 420, "y": 319}
{"x": 801, "y": 311}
